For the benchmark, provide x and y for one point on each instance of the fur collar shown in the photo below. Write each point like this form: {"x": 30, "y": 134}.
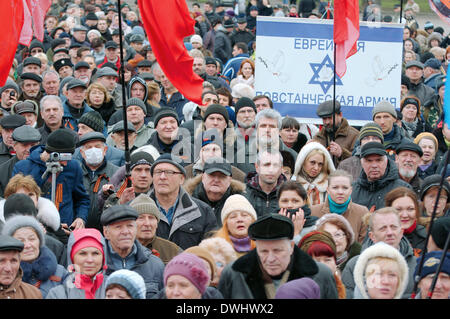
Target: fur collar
{"x": 41, "y": 268}
{"x": 302, "y": 265}
{"x": 191, "y": 184}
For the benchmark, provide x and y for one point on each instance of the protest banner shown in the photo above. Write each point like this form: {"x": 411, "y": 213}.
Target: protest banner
{"x": 294, "y": 67}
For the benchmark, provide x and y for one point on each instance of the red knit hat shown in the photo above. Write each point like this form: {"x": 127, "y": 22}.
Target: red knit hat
{"x": 86, "y": 237}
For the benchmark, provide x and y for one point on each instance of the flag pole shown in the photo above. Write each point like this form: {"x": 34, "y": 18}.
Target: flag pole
{"x": 433, "y": 216}
{"x": 401, "y": 10}
{"x": 124, "y": 102}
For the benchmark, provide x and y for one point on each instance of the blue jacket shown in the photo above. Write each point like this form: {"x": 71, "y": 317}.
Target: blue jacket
{"x": 75, "y": 200}
{"x": 177, "y": 102}
{"x": 231, "y": 69}
{"x": 68, "y": 120}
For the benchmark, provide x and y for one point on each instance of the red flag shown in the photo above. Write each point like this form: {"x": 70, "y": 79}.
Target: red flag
{"x": 11, "y": 22}
{"x": 346, "y": 32}
{"x": 27, "y": 31}
{"x": 38, "y": 9}
{"x": 167, "y": 23}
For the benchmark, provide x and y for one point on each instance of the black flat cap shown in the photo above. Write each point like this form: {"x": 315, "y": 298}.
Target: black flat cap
{"x": 31, "y": 76}
{"x": 76, "y": 83}
{"x": 81, "y": 64}
{"x": 434, "y": 180}
{"x": 12, "y": 121}
{"x": 92, "y": 136}
{"x": 32, "y": 60}
{"x": 118, "y": 213}
{"x": 106, "y": 71}
{"x": 62, "y": 62}
{"x": 111, "y": 44}
{"x": 407, "y": 145}
{"x": 10, "y": 243}
{"x": 217, "y": 164}
{"x": 26, "y": 134}
{"x": 144, "y": 63}
{"x": 373, "y": 148}
{"x": 210, "y": 60}
{"x": 75, "y": 45}
{"x": 57, "y": 42}
{"x": 64, "y": 50}
{"x": 272, "y": 227}
{"x": 27, "y": 106}
{"x": 120, "y": 127}
{"x": 326, "y": 108}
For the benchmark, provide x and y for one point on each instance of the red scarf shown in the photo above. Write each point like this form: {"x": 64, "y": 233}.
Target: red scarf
{"x": 88, "y": 284}
{"x": 410, "y": 229}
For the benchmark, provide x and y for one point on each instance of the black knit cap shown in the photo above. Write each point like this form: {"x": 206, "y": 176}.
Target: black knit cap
{"x": 134, "y": 101}
{"x": 171, "y": 159}
{"x": 244, "y": 102}
{"x": 217, "y": 109}
{"x": 94, "y": 120}
{"x": 61, "y": 140}
{"x": 165, "y": 112}
{"x": 19, "y": 204}
{"x": 139, "y": 158}
{"x": 440, "y": 230}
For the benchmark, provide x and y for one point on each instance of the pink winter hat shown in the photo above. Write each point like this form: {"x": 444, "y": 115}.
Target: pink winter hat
{"x": 191, "y": 267}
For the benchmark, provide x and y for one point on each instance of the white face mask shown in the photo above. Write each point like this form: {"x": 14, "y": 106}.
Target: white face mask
{"x": 94, "y": 156}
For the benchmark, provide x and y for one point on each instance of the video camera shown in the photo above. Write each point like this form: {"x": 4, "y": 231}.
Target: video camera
{"x": 57, "y": 157}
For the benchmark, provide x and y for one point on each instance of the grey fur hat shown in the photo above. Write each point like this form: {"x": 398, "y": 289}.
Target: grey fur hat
{"x": 20, "y": 221}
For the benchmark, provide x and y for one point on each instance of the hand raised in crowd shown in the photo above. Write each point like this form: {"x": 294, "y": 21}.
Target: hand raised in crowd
{"x": 127, "y": 195}
{"x": 78, "y": 223}
{"x": 298, "y": 219}
{"x": 335, "y": 149}
{"x": 108, "y": 189}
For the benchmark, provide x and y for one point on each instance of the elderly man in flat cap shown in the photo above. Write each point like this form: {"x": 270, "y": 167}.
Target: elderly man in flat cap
{"x": 11, "y": 284}
{"x": 275, "y": 261}
{"x": 30, "y": 84}
{"x": 340, "y": 139}
{"x": 124, "y": 251}
{"x": 24, "y": 137}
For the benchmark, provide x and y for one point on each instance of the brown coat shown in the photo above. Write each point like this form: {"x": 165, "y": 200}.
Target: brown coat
{"x": 163, "y": 248}
{"x": 20, "y": 290}
{"x": 354, "y": 215}
{"x": 345, "y": 136}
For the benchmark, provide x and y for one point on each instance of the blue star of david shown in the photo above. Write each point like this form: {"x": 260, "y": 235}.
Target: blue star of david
{"x": 317, "y": 67}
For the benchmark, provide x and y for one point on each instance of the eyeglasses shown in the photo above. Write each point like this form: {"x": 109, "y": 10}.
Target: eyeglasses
{"x": 168, "y": 173}
{"x": 338, "y": 235}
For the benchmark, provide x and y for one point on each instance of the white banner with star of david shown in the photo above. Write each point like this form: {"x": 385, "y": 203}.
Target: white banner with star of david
{"x": 294, "y": 67}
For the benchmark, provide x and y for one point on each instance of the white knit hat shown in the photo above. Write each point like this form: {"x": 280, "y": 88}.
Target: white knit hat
{"x": 20, "y": 221}
{"x": 237, "y": 202}
{"x": 196, "y": 38}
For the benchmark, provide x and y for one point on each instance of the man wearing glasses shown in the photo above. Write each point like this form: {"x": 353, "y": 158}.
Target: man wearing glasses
{"x": 184, "y": 220}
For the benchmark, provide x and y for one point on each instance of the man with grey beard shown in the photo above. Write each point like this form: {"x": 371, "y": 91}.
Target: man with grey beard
{"x": 407, "y": 158}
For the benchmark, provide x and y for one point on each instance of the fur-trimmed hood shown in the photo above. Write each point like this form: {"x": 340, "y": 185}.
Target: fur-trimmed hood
{"x": 379, "y": 250}
{"x": 47, "y": 213}
{"x": 190, "y": 185}
{"x": 308, "y": 148}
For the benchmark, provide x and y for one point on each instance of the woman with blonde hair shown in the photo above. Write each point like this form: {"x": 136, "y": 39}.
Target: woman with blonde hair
{"x": 98, "y": 97}
{"x": 429, "y": 145}
{"x": 246, "y": 74}
{"x": 154, "y": 94}
{"x": 237, "y": 216}
{"x": 381, "y": 272}
{"x": 312, "y": 167}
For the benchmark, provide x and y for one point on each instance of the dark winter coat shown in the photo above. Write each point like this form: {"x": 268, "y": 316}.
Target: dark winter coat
{"x": 369, "y": 194}
{"x": 262, "y": 202}
{"x": 243, "y": 279}
{"x": 222, "y": 46}
{"x": 192, "y": 220}
{"x": 5, "y": 155}
{"x": 5, "y": 173}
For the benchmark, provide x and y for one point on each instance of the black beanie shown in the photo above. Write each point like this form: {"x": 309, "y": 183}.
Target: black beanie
{"x": 244, "y": 102}
{"x": 134, "y": 101}
{"x": 165, "y": 112}
{"x": 61, "y": 140}
{"x": 139, "y": 158}
{"x": 440, "y": 230}
{"x": 19, "y": 204}
{"x": 217, "y": 109}
{"x": 94, "y": 120}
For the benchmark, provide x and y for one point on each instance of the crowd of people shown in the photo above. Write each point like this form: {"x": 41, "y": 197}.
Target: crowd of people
{"x": 227, "y": 199}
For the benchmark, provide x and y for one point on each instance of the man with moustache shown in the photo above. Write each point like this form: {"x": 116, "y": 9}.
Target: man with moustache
{"x": 408, "y": 160}
{"x": 340, "y": 139}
